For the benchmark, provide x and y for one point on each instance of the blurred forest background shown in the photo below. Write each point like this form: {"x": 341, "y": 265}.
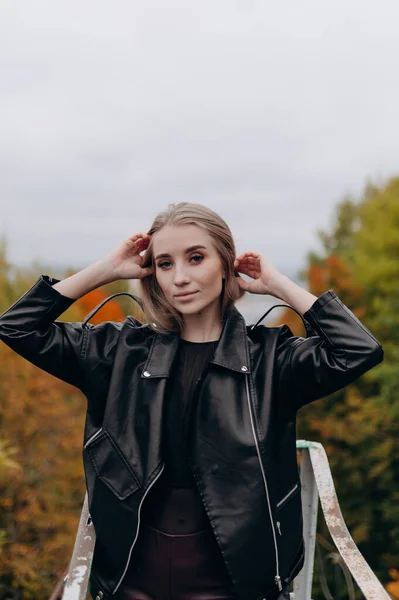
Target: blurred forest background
{"x": 42, "y": 418}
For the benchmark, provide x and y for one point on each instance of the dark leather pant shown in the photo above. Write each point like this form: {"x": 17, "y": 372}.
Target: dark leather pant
{"x": 176, "y": 567}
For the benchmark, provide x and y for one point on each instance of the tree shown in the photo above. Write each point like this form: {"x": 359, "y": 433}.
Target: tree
{"x": 358, "y": 425}
{"x": 42, "y": 483}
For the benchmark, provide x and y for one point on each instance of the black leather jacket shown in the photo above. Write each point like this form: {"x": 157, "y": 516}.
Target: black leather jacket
{"x": 243, "y": 440}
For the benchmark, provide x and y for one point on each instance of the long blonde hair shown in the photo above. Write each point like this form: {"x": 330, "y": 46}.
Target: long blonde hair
{"x": 157, "y": 309}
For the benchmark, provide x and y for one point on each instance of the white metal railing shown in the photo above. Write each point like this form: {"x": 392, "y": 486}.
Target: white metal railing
{"x": 317, "y": 483}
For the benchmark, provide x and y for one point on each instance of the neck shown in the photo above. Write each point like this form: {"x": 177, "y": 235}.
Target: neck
{"x": 205, "y": 326}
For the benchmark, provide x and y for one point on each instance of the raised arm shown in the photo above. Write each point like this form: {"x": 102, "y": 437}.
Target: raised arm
{"x": 31, "y": 329}
{"x": 30, "y": 325}
{"x": 311, "y": 368}
{"x": 314, "y": 367}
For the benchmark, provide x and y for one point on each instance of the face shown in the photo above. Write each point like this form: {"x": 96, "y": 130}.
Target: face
{"x": 188, "y": 267}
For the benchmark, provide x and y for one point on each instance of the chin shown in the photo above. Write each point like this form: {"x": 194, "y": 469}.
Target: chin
{"x": 190, "y": 310}
{"x": 195, "y": 307}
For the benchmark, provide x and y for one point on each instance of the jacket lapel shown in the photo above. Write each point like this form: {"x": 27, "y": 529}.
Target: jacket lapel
{"x": 231, "y": 351}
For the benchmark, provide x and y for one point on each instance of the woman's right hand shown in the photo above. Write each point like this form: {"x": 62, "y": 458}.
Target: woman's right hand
{"x": 126, "y": 260}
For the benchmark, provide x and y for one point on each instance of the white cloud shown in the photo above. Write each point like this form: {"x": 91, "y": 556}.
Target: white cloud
{"x": 267, "y": 113}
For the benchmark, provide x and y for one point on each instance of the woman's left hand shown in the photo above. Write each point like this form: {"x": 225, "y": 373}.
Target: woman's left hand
{"x": 263, "y": 273}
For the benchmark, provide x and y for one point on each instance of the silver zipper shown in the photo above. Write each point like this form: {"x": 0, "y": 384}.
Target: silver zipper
{"x": 92, "y": 437}
{"x": 138, "y": 527}
{"x": 277, "y": 577}
{"x": 287, "y": 495}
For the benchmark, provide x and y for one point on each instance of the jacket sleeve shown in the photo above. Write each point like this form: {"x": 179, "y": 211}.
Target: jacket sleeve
{"x": 341, "y": 350}
{"x": 30, "y": 328}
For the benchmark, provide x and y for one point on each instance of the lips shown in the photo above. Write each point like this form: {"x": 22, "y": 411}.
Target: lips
{"x": 185, "y": 295}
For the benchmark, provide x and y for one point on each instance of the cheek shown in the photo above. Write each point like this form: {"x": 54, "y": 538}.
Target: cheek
{"x": 161, "y": 280}
{"x": 214, "y": 276}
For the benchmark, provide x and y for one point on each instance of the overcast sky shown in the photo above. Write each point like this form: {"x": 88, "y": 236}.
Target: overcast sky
{"x": 268, "y": 112}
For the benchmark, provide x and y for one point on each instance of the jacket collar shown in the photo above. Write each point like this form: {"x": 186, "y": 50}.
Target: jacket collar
{"x": 231, "y": 351}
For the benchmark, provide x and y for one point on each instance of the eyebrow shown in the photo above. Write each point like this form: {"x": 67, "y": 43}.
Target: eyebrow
{"x": 187, "y": 251}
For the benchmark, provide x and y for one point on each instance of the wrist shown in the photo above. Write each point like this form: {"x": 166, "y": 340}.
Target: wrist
{"x": 277, "y": 285}
{"x": 104, "y": 271}
{"x": 94, "y": 276}
{"x": 292, "y": 293}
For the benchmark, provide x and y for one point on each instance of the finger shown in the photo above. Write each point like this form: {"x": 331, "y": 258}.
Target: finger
{"x": 136, "y": 236}
{"x": 139, "y": 244}
{"x": 143, "y": 239}
{"x": 252, "y": 274}
{"x": 140, "y": 239}
{"x": 248, "y": 264}
{"x": 250, "y": 253}
{"x": 248, "y": 259}
{"x": 145, "y": 272}
{"x": 242, "y": 283}
{"x": 248, "y": 269}
{"x": 143, "y": 243}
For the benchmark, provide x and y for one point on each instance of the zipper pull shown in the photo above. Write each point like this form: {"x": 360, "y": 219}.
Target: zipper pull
{"x": 277, "y": 579}
{"x": 278, "y": 527}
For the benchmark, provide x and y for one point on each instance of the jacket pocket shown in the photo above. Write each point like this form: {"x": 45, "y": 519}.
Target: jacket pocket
{"x": 91, "y": 439}
{"x": 289, "y": 524}
{"x": 287, "y": 510}
{"x": 110, "y": 465}
{"x": 287, "y": 497}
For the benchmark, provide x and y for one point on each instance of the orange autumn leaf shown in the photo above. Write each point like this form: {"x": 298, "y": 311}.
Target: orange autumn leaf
{"x": 111, "y": 311}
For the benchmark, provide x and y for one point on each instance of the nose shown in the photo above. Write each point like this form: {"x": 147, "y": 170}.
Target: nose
{"x": 181, "y": 276}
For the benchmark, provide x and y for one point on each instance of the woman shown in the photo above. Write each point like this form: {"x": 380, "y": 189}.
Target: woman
{"x": 190, "y": 445}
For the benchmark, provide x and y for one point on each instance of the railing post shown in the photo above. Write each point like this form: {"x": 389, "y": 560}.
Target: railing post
{"x": 360, "y": 570}
{"x": 79, "y": 569}
{"x": 316, "y": 480}
{"x": 310, "y": 501}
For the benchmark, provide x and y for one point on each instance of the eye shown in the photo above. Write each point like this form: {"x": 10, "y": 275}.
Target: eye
{"x": 197, "y": 258}
{"x": 163, "y": 264}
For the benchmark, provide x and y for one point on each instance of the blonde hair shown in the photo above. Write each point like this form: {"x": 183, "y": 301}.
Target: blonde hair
{"x": 157, "y": 309}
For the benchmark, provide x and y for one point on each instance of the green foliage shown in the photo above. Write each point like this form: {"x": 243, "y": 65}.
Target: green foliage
{"x": 359, "y": 425}
{"x": 41, "y": 483}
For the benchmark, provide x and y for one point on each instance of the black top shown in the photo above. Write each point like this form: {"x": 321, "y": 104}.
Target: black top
{"x": 192, "y": 359}
{"x": 173, "y": 503}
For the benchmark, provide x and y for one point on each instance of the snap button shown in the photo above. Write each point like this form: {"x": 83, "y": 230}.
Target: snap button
{"x": 147, "y": 374}
{"x": 244, "y": 368}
